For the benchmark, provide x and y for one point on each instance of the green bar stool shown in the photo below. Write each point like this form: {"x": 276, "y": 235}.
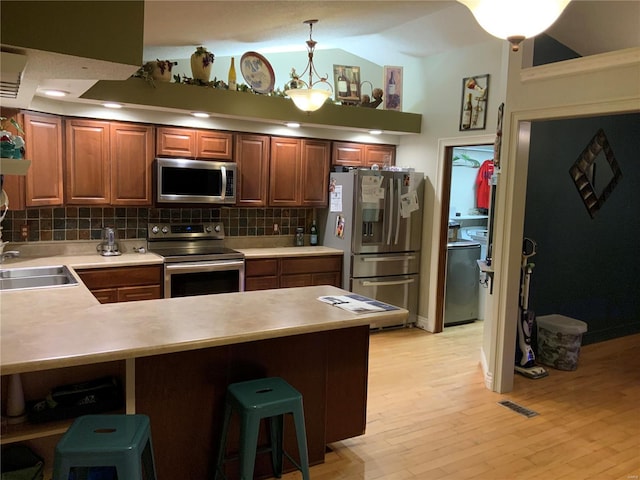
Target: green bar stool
{"x": 122, "y": 442}
{"x": 265, "y": 398}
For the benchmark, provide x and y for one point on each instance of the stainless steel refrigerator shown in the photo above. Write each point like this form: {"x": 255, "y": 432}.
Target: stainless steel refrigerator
{"x": 375, "y": 217}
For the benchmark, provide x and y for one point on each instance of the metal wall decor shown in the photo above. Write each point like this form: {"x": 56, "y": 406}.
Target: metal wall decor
{"x": 583, "y": 173}
{"x": 473, "y": 108}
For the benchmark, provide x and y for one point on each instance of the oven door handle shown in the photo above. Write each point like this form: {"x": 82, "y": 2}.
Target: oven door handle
{"x": 369, "y": 283}
{"x": 195, "y": 267}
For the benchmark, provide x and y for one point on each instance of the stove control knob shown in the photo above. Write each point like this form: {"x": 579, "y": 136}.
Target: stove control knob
{"x": 155, "y": 229}
{"x": 165, "y": 229}
{"x": 208, "y": 229}
{"x": 217, "y": 228}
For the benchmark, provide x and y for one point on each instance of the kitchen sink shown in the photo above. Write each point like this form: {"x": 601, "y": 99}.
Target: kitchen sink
{"x": 36, "y": 277}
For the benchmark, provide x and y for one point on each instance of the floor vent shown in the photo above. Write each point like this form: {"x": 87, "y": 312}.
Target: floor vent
{"x": 518, "y": 409}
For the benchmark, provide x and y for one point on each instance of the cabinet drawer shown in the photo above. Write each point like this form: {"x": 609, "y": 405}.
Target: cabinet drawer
{"x": 106, "y": 295}
{"x": 261, "y": 267}
{"x": 311, "y": 265}
{"x": 299, "y": 280}
{"x": 101, "y": 278}
{"x": 260, "y": 283}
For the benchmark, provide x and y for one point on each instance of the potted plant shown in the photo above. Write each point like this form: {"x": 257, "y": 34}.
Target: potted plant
{"x": 201, "y": 63}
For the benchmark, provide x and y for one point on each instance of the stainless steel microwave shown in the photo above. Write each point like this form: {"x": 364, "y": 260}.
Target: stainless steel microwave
{"x": 180, "y": 180}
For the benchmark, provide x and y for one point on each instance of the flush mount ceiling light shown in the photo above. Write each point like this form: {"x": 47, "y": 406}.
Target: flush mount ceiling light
{"x": 515, "y": 20}
{"x": 310, "y": 99}
{"x": 200, "y": 114}
{"x": 375, "y": 132}
{"x": 292, "y": 124}
{"x": 55, "y": 93}
{"x": 112, "y": 105}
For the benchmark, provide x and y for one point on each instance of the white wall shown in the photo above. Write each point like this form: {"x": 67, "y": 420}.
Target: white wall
{"x": 440, "y": 80}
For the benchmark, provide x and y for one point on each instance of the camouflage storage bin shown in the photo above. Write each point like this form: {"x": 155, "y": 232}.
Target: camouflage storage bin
{"x": 559, "y": 341}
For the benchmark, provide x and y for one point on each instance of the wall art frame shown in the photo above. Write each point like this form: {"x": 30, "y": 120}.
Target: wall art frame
{"x": 392, "y": 81}
{"x": 473, "y": 104}
{"x": 346, "y": 81}
{"x": 583, "y": 172}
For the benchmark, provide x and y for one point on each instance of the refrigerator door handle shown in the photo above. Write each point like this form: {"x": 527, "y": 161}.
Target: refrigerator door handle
{"x": 398, "y": 213}
{"x": 369, "y": 283}
{"x": 390, "y": 217}
{"x": 389, "y": 259}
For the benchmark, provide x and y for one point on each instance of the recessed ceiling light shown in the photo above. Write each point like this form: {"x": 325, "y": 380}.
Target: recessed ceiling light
{"x": 292, "y": 124}
{"x": 200, "y": 114}
{"x": 375, "y": 132}
{"x": 55, "y": 93}
{"x": 112, "y": 105}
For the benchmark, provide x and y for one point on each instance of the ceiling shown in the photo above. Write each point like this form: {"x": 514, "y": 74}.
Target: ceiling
{"x": 381, "y": 31}
{"x": 373, "y": 29}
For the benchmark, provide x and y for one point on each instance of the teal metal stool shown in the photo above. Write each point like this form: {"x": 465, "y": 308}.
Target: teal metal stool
{"x": 122, "y": 442}
{"x": 255, "y": 400}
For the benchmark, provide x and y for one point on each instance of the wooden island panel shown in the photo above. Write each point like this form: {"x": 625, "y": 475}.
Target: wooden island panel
{"x": 183, "y": 393}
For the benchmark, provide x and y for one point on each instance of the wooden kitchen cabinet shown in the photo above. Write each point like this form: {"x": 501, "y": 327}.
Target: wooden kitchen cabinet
{"x": 261, "y": 273}
{"x": 124, "y": 284}
{"x": 108, "y": 163}
{"x": 252, "y": 159}
{"x": 87, "y": 162}
{"x": 310, "y": 271}
{"x": 299, "y": 172}
{"x": 43, "y": 146}
{"x": 350, "y": 154}
{"x": 193, "y": 143}
{"x": 285, "y": 272}
{"x": 131, "y": 159}
{"x": 315, "y": 173}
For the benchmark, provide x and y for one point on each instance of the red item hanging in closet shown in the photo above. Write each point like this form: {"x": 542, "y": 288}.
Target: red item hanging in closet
{"x": 483, "y": 184}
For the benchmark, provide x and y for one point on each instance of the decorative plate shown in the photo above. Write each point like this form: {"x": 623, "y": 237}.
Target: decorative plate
{"x": 257, "y": 72}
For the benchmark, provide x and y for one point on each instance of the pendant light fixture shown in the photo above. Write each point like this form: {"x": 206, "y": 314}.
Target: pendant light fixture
{"x": 515, "y": 20}
{"x": 310, "y": 99}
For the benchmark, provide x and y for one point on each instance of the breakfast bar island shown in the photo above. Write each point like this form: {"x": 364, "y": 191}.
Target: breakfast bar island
{"x": 175, "y": 358}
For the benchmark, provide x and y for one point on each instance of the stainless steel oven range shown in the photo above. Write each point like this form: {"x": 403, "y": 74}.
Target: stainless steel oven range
{"x": 196, "y": 261}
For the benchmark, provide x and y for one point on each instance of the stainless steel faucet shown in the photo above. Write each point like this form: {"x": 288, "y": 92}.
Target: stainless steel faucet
{"x": 9, "y": 254}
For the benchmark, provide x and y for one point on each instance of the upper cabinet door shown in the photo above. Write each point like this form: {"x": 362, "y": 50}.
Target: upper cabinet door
{"x": 347, "y": 154}
{"x": 381, "y": 155}
{"x": 284, "y": 174}
{"x": 252, "y": 157}
{"x": 131, "y": 154}
{"x": 214, "y": 145}
{"x": 176, "y": 142}
{"x": 43, "y": 146}
{"x": 315, "y": 173}
{"x": 87, "y": 163}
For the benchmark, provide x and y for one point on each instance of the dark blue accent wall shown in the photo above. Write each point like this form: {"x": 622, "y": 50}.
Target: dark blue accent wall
{"x": 547, "y": 49}
{"x": 588, "y": 269}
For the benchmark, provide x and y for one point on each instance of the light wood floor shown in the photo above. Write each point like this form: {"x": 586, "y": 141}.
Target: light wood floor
{"x": 431, "y": 417}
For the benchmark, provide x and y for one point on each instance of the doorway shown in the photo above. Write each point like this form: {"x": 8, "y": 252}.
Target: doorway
{"x": 466, "y": 288}
{"x": 446, "y": 149}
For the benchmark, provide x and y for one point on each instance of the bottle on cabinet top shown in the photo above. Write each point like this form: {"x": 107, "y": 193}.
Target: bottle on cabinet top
{"x": 232, "y": 76}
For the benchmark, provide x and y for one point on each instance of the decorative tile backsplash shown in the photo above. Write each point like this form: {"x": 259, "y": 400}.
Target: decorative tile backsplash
{"x": 85, "y": 223}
